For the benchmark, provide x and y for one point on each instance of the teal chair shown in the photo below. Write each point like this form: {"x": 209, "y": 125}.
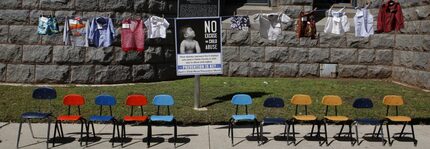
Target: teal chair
{"x": 242, "y": 100}
{"x": 162, "y": 101}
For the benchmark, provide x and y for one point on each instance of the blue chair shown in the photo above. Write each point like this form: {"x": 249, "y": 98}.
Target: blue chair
{"x": 242, "y": 100}
{"x": 366, "y": 103}
{"x": 162, "y": 101}
{"x": 104, "y": 100}
{"x": 273, "y": 103}
{"x": 42, "y": 94}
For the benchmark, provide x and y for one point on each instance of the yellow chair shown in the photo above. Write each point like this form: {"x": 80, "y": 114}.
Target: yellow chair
{"x": 335, "y": 101}
{"x": 396, "y": 101}
{"x": 305, "y": 101}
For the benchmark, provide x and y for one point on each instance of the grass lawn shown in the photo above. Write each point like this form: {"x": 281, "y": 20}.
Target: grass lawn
{"x": 216, "y": 93}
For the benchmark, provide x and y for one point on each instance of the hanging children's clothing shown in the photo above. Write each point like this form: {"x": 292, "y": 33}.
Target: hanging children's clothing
{"x": 47, "y": 26}
{"x": 270, "y": 24}
{"x": 337, "y": 22}
{"x": 306, "y": 25}
{"x": 101, "y": 32}
{"x": 390, "y": 17}
{"x": 132, "y": 35}
{"x": 240, "y": 23}
{"x": 363, "y": 20}
{"x": 156, "y": 27}
{"x": 75, "y": 32}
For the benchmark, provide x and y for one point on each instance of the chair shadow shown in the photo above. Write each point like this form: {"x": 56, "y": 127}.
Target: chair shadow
{"x": 59, "y": 141}
{"x": 92, "y": 141}
{"x": 221, "y": 99}
{"x": 156, "y": 140}
{"x": 182, "y": 140}
{"x": 247, "y": 138}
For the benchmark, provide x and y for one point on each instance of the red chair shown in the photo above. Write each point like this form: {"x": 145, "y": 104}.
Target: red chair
{"x": 70, "y": 100}
{"x": 133, "y": 101}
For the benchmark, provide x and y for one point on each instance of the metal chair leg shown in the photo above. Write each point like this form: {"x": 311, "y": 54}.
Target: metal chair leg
{"x": 55, "y": 133}
{"x": 294, "y": 134}
{"x": 312, "y": 130}
{"x": 341, "y": 130}
{"x": 288, "y": 133}
{"x": 325, "y": 132}
{"x": 94, "y": 132}
{"x": 356, "y": 134}
{"x": 232, "y": 136}
{"x": 388, "y": 135}
{"x": 113, "y": 135}
{"x": 31, "y": 128}
{"x": 258, "y": 132}
{"x": 82, "y": 130}
{"x": 175, "y": 133}
{"x": 19, "y": 134}
{"x": 149, "y": 135}
{"x": 350, "y": 134}
{"x": 61, "y": 128}
{"x": 48, "y": 133}
{"x": 403, "y": 129}
{"x": 413, "y": 134}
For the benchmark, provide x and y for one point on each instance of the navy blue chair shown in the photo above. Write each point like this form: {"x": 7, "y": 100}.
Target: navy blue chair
{"x": 366, "y": 103}
{"x": 102, "y": 101}
{"x": 242, "y": 100}
{"x": 162, "y": 101}
{"x": 273, "y": 103}
{"x": 41, "y": 94}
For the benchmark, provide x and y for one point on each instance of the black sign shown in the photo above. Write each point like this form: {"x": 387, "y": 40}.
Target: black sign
{"x": 198, "y": 8}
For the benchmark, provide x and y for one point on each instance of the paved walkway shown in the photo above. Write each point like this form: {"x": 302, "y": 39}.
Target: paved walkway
{"x": 198, "y": 137}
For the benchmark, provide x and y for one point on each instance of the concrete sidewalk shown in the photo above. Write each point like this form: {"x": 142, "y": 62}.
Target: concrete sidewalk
{"x": 199, "y": 137}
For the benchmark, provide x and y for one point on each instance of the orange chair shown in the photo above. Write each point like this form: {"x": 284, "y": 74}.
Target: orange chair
{"x": 134, "y": 101}
{"x": 393, "y": 100}
{"x": 305, "y": 101}
{"x": 335, "y": 101}
{"x": 70, "y": 100}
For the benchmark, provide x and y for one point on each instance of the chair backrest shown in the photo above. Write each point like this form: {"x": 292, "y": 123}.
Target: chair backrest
{"x": 136, "y": 100}
{"x": 241, "y": 100}
{"x": 105, "y": 100}
{"x": 331, "y": 100}
{"x": 393, "y": 100}
{"x": 362, "y": 103}
{"x": 274, "y": 102}
{"x": 73, "y": 100}
{"x": 301, "y": 100}
{"x": 163, "y": 100}
{"x": 44, "y": 93}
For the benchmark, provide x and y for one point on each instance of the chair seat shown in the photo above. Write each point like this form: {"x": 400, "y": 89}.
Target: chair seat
{"x": 368, "y": 121}
{"x": 163, "y": 118}
{"x": 399, "y": 118}
{"x": 336, "y": 118}
{"x": 249, "y": 117}
{"x": 135, "y": 118}
{"x": 35, "y": 115}
{"x": 101, "y": 118}
{"x": 68, "y": 118}
{"x": 305, "y": 117}
{"x": 274, "y": 120}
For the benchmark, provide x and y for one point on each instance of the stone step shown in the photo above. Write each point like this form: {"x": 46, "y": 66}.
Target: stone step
{"x": 251, "y": 9}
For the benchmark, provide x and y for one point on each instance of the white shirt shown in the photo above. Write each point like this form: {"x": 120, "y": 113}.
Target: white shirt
{"x": 363, "y": 20}
{"x": 337, "y": 22}
{"x": 156, "y": 27}
{"x": 270, "y": 24}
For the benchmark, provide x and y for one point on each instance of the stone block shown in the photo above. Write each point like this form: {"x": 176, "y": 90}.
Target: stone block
{"x": 52, "y": 74}
{"x": 37, "y": 54}
{"x": 295, "y": 2}
{"x": 332, "y": 40}
{"x": 57, "y": 4}
{"x": 14, "y": 17}
{"x": 19, "y": 73}
{"x": 308, "y": 42}
{"x": 68, "y": 55}
{"x": 286, "y": 70}
{"x": 159, "y": 6}
{"x": 366, "y": 56}
{"x": 424, "y": 79}
{"x": 425, "y": 45}
{"x": 19, "y": 34}
{"x": 259, "y": 69}
{"x": 257, "y": 40}
{"x": 4, "y": 31}
{"x": 237, "y": 37}
{"x": 397, "y": 73}
{"x": 382, "y": 41}
{"x": 154, "y": 55}
{"x": 115, "y": 5}
{"x": 145, "y": 73}
{"x": 288, "y": 39}
{"x": 379, "y": 72}
{"x": 344, "y": 56}
{"x": 225, "y": 69}
{"x": 166, "y": 72}
{"x": 2, "y": 72}
{"x": 112, "y": 74}
{"x": 251, "y": 54}
{"x": 82, "y": 74}
{"x": 357, "y": 42}
{"x": 309, "y": 70}
{"x": 423, "y": 12}
{"x": 396, "y": 58}
{"x": 409, "y": 14}
{"x": 406, "y": 58}
{"x": 411, "y": 27}
{"x": 230, "y": 54}
{"x": 408, "y": 42}
{"x": 99, "y": 55}
{"x": 130, "y": 57}
{"x": 424, "y": 27}
{"x": 352, "y": 71}
{"x": 298, "y": 55}
{"x": 30, "y": 4}
{"x": 421, "y": 61}
{"x": 319, "y": 55}
{"x": 238, "y": 69}
{"x": 86, "y": 5}
{"x": 10, "y": 53}
{"x": 10, "y": 4}
{"x": 276, "y": 54}
{"x": 384, "y": 57}
{"x": 409, "y": 76}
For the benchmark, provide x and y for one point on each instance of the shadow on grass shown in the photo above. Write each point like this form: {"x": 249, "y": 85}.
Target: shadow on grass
{"x": 221, "y": 99}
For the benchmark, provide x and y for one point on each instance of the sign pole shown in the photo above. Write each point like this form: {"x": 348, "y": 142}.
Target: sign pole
{"x": 196, "y": 92}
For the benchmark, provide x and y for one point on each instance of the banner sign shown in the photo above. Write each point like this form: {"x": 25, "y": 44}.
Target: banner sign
{"x": 198, "y": 8}
{"x": 198, "y": 46}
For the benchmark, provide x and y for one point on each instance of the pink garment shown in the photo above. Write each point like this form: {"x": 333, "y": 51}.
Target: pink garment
{"x": 132, "y": 35}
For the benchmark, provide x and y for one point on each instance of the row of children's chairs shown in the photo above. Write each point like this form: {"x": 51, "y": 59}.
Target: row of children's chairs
{"x": 103, "y": 100}
{"x": 330, "y": 101}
